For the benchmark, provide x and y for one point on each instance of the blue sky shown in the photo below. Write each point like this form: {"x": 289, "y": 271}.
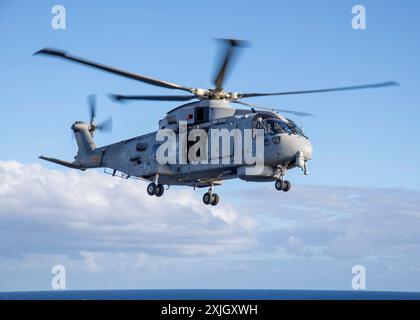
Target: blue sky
{"x": 358, "y": 136}
{"x": 364, "y": 141}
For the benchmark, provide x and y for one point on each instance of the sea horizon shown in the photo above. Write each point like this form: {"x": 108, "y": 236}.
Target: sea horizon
{"x": 209, "y": 294}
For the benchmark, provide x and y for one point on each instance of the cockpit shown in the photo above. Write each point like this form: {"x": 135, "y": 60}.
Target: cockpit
{"x": 274, "y": 126}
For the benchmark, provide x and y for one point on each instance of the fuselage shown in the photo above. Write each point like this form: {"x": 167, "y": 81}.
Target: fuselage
{"x": 284, "y": 146}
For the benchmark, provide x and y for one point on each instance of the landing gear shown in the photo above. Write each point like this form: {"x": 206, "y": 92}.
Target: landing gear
{"x": 207, "y": 198}
{"x": 286, "y": 185}
{"x": 283, "y": 185}
{"x": 214, "y": 199}
{"x": 151, "y": 189}
{"x": 211, "y": 198}
{"x": 159, "y": 190}
{"x": 155, "y": 188}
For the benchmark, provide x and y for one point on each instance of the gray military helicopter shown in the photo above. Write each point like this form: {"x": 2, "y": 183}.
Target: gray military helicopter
{"x": 285, "y": 145}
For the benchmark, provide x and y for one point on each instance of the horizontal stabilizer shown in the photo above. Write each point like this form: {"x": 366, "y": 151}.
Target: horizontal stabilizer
{"x": 62, "y": 163}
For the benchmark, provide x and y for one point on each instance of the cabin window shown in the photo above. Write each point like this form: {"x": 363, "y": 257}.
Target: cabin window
{"x": 141, "y": 146}
{"x": 201, "y": 114}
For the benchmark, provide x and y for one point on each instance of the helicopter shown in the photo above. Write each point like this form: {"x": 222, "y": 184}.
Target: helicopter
{"x": 282, "y": 142}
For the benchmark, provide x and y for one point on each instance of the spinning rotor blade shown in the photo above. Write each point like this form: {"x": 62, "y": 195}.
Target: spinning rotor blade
{"x": 366, "y": 86}
{"x": 105, "y": 126}
{"x": 296, "y": 113}
{"x": 92, "y": 107}
{"x": 138, "y": 77}
{"x": 122, "y": 98}
{"x": 227, "y": 60}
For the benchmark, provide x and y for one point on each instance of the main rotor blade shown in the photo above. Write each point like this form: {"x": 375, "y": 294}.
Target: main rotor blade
{"x": 92, "y": 107}
{"x": 227, "y": 60}
{"x": 296, "y": 113}
{"x": 122, "y": 98}
{"x": 138, "y": 77}
{"x": 366, "y": 86}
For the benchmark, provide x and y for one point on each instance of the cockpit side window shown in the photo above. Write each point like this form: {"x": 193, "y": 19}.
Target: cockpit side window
{"x": 258, "y": 123}
{"x": 276, "y": 126}
{"x": 273, "y": 126}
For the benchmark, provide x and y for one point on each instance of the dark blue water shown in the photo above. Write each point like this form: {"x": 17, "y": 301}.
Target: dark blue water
{"x": 209, "y": 295}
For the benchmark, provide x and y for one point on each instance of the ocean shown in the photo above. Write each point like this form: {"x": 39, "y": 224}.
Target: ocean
{"x": 209, "y": 295}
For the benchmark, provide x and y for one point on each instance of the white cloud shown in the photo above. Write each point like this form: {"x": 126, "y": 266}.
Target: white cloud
{"x": 106, "y": 223}
{"x": 49, "y": 211}
{"x": 296, "y": 246}
{"x": 344, "y": 222}
{"x": 117, "y": 262}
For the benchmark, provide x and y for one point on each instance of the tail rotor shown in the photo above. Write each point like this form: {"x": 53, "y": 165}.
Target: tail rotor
{"x": 104, "y": 126}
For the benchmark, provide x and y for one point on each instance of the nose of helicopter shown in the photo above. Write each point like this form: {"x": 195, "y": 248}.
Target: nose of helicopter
{"x": 306, "y": 148}
{"x": 292, "y": 145}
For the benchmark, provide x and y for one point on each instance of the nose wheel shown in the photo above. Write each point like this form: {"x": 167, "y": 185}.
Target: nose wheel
{"x": 283, "y": 185}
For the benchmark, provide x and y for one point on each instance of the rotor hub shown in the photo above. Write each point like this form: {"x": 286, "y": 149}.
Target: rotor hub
{"x": 215, "y": 94}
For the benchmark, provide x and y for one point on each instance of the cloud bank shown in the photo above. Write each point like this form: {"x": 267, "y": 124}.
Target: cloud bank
{"x": 109, "y": 224}
{"x": 49, "y": 211}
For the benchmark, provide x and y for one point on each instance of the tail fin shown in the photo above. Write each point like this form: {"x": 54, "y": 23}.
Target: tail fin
{"x": 87, "y": 155}
{"x": 84, "y": 141}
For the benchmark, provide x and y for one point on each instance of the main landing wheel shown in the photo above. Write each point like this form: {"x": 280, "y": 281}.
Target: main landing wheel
{"x": 159, "y": 190}
{"x": 155, "y": 190}
{"x": 286, "y": 185}
{"x": 207, "y": 198}
{"x": 151, "y": 189}
{"x": 214, "y": 199}
{"x": 211, "y": 198}
{"x": 283, "y": 185}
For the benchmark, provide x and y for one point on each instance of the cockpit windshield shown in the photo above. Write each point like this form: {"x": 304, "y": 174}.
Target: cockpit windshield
{"x": 273, "y": 126}
{"x": 296, "y": 128}
{"x": 276, "y": 126}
